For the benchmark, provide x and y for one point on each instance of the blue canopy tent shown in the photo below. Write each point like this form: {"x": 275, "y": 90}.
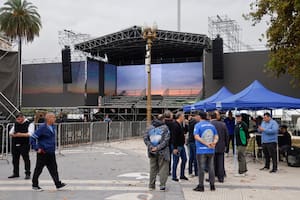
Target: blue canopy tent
{"x": 223, "y": 93}
{"x": 256, "y": 97}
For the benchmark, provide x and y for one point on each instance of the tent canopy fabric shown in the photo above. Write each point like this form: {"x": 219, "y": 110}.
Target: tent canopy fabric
{"x": 203, "y": 105}
{"x": 256, "y": 97}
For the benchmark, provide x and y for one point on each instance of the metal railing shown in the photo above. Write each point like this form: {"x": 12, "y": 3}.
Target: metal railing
{"x": 75, "y": 134}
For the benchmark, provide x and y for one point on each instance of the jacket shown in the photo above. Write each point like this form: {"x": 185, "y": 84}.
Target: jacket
{"x": 170, "y": 125}
{"x": 44, "y": 138}
{"x": 270, "y": 133}
{"x": 223, "y": 136}
{"x": 238, "y": 126}
{"x": 191, "y": 138}
{"x": 163, "y": 144}
{"x": 178, "y": 135}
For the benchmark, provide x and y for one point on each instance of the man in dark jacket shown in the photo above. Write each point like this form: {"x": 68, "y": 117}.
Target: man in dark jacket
{"x": 220, "y": 146}
{"x": 20, "y": 133}
{"x": 192, "y": 145}
{"x": 43, "y": 141}
{"x": 178, "y": 147}
{"x": 169, "y": 121}
{"x": 284, "y": 141}
{"x": 241, "y": 136}
{"x": 157, "y": 138}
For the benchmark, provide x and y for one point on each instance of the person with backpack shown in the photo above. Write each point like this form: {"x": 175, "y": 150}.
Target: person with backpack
{"x": 241, "y": 137}
{"x": 157, "y": 138}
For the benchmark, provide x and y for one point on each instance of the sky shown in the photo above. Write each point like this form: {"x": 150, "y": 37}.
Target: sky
{"x": 100, "y": 17}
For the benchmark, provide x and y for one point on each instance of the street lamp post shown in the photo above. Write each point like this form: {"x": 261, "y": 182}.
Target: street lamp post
{"x": 149, "y": 34}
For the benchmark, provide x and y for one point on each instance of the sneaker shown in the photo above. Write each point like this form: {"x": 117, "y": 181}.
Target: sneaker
{"x": 27, "y": 177}
{"x": 162, "y": 188}
{"x": 175, "y": 179}
{"x": 212, "y": 188}
{"x": 37, "y": 189}
{"x": 14, "y": 176}
{"x": 240, "y": 175}
{"x": 61, "y": 185}
{"x": 273, "y": 171}
{"x": 191, "y": 175}
{"x": 264, "y": 168}
{"x": 184, "y": 178}
{"x": 199, "y": 188}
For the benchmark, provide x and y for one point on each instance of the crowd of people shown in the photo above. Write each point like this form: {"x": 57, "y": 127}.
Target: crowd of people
{"x": 208, "y": 137}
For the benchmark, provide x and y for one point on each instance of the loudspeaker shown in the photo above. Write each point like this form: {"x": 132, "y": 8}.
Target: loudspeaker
{"x": 66, "y": 65}
{"x": 217, "y": 54}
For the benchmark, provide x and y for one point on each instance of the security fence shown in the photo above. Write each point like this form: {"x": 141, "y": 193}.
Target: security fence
{"x": 74, "y": 134}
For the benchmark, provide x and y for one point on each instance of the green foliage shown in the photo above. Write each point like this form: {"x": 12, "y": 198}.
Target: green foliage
{"x": 20, "y": 19}
{"x": 283, "y": 34}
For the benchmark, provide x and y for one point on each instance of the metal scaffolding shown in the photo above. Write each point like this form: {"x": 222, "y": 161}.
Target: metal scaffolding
{"x": 228, "y": 30}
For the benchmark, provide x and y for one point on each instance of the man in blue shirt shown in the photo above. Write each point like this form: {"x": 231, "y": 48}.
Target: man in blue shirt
{"x": 269, "y": 129}
{"x": 43, "y": 141}
{"x": 230, "y": 124}
{"x": 206, "y": 138}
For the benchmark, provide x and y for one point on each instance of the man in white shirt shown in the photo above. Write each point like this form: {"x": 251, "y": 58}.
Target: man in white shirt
{"x": 20, "y": 133}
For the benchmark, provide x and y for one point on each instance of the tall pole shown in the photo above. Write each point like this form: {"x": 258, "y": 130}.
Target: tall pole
{"x": 20, "y": 82}
{"x": 149, "y": 34}
{"x": 178, "y": 15}
{"x": 148, "y": 70}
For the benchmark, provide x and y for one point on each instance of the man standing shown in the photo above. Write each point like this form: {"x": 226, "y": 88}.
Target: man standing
{"x": 206, "y": 137}
{"x": 230, "y": 124}
{"x": 192, "y": 145}
{"x": 157, "y": 138}
{"x": 220, "y": 146}
{"x": 169, "y": 121}
{"x": 108, "y": 121}
{"x": 178, "y": 147}
{"x": 43, "y": 141}
{"x": 241, "y": 137}
{"x": 20, "y": 133}
{"x": 269, "y": 129}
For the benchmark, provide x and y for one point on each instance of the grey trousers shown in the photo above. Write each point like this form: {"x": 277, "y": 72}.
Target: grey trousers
{"x": 242, "y": 159}
{"x": 158, "y": 166}
{"x": 202, "y": 159}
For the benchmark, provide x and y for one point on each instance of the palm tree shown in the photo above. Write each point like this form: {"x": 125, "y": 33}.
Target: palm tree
{"x": 20, "y": 21}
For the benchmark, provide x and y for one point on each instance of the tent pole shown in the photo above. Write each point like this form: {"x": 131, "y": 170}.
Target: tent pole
{"x": 235, "y": 150}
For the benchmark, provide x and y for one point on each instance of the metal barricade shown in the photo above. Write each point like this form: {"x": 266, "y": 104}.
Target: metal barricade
{"x": 138, "y": 128}
{"x": 70, "y": 134}
{"x": 99, "y": 131}
{"x": 4, "y": 143}
{"x": 115, "y": 131}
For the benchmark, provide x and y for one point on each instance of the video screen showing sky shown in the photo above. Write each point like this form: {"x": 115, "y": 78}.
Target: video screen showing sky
{"x": 175, "y": 79}
{"x": 110, "y": 80}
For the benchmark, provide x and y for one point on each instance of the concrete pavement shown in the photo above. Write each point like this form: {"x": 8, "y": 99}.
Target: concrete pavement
{"x": 119, "y": 170}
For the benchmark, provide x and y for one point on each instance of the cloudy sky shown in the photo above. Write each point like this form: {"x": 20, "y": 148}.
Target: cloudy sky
{"x": 99, "y": 17}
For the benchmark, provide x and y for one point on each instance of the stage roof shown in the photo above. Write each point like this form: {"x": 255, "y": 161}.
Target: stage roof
{"x": 128, "y": 46}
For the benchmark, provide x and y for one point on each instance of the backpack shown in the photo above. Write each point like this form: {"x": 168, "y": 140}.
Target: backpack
{"x": 155, "y": 135}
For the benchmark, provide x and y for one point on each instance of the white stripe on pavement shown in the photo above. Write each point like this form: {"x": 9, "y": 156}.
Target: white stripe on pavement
{"x": 76, "y": 188}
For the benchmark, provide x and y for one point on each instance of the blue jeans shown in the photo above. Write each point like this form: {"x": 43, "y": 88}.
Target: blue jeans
{"x": 182, "y": 155}
{"x": 192, "y": 159}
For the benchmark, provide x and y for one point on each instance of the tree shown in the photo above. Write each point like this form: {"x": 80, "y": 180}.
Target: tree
{"x": 20, "y": 21}
{"x": 283, "y": 34}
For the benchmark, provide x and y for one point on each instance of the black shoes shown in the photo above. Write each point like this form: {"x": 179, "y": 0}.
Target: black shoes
{"x": 61, "y": 185}
{"x": 37, "y": 189}
{"x": 27, "y": 177}
{"x": 184, "y": 178}
{"x": 175, "y": 179}
{"x": 199, "y": 188}
{"x": 14, "y": 176}
{"x": 264, "y": 168}
{"x": 212, "y": 188}
{"x": 273, "y": 171}
{"x": 162, "y": 188}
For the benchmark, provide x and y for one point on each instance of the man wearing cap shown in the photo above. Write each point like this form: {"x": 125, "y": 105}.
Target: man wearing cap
{"x": 20, "y": 133}
{"x": 269, "y": 130}
{"x": 206, "y": 138}
{"x": 241, "y": 134}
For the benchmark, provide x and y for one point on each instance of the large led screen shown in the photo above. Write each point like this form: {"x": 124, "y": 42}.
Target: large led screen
{"x": 110, "y": 80}
{"x": 174, "y": 79}
{"x": 43, "y": 85}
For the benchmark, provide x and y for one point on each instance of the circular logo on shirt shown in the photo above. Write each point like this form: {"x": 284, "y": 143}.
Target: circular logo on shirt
{"x": 208, "y": 135}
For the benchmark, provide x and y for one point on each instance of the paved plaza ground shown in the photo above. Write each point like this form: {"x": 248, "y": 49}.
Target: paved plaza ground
{"x": 119, "y": 171}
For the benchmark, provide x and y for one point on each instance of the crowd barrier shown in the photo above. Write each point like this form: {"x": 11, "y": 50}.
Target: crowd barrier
{"x": 74, "y": 134}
